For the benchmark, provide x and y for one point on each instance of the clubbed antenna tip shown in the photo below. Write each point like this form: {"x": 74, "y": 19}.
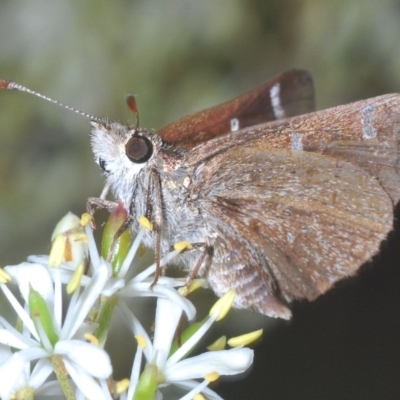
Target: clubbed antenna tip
{"x": 4, "y": 84}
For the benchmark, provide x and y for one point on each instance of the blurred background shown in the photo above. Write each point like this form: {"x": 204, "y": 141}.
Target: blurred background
{"x": 179, "y": 56}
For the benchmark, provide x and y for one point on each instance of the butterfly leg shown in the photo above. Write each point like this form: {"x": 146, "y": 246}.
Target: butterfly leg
{"x": 195, "y": 271}
{"x": 95, "y": 203}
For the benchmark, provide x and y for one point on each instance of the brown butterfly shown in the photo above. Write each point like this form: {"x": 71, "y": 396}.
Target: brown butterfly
{"x": 282, "y": 206}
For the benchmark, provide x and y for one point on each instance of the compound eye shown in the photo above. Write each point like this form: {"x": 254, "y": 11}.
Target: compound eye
{"x": 139, "y": 149}
{"x": 102, "y": 165}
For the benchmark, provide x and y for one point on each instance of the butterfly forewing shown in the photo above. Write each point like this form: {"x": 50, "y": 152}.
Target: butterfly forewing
{"x": 366, "y": 133}
{"x": 289, "y": 94}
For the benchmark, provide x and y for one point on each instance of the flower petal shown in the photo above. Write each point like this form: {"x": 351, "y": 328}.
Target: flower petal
{"x": 88, "y": 357}
{"x": 225, "y": 362}
{"x": 5, "y": 353}
{"x": 142, "y": 289}
{"x": 9, "y": 339}
{"x": 168, "y": 315}
{"x": 177, "y": 299}
{"x": 93, "y": 252}
{"x": 112, "y": 286}
{"x": 89, "y": 296}
{"x": 196, "y": 390}
{"x": 189, "y": 385}
{"x": 10, "y": 371}
{"x": 37, "y": 276}
{"x": 191, "y": 342}
{"x": 40, "y": 373}
{"x": 135, "y": 372}
{"x": 21, "y": 312}
{"x": 86, "y": 383}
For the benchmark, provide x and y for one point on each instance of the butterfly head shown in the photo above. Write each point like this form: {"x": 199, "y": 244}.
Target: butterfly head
{"x": 121, "y": 151}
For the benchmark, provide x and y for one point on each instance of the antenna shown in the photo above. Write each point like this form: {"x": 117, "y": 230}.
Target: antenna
{"x": 16, "y": 86}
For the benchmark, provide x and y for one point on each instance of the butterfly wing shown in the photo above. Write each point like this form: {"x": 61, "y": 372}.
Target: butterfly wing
{"x": 365, "y": 133}
{"x": 291, "y": 223}
{"x": 291, "y": 93}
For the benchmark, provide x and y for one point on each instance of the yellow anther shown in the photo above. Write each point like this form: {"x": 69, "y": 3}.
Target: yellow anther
{"x": 145, "y": 223}
{"x": 85, "y": 219}
{"x": 123, "y": 385}
{"x": 199, "y": 396}
{"x": 91, "y": 338}
{"x": 180, "y": 246}
{"x": 218, "y": 345}
{"x": 223, "y": 305}
{"x": 244, "y": 340}
{"x": 4, "y": 276}
{"x": 75, "y": 281}
{"x": 212, "y": 376}
{"x": 81, "y": 238}
{"x": 183, "y": 291}
{"x": 141, "y": 341}
{"x": 196, "y": 284}
{"x": 57, "y": 251}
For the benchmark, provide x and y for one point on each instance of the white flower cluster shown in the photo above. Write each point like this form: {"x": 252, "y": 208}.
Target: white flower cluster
{"x": 53, "y": 347}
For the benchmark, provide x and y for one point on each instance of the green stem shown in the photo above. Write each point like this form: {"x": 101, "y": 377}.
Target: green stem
{"x": 62, "y": 376}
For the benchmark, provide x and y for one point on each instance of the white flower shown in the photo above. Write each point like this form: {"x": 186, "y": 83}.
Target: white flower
{"x": 173, "y": 369}
{"x": 139, "y": 286}
{"x": 84, "y": 362}
{"x": 48, "y": 336}
{"x": 142, "y": 284}
{"x": 31, "y": 378}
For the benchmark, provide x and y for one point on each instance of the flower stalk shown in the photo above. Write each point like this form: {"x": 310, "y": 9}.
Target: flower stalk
{"x": 62, "y": 376}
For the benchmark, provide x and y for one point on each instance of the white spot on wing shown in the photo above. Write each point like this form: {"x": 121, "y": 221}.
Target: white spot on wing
{"x": 234, "y": 124}
{"x": 186, "y": 182}
{"x": 290, "y": 237}
{"x": 275, "y": 94}
{"x": 367, "y": 119}
{"x": 296, "y": 143}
